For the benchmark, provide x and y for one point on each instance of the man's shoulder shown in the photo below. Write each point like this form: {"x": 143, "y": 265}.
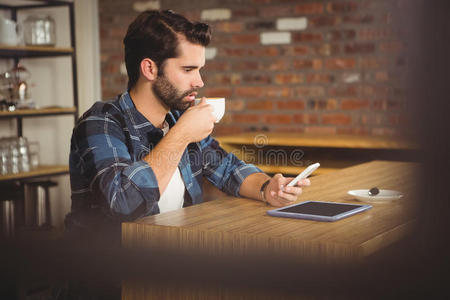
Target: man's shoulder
{"x": 103, "y": 108}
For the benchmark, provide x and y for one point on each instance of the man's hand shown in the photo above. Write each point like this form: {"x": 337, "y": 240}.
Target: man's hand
{"x": 197, "y": 122}
{"x": 277, "y": 193}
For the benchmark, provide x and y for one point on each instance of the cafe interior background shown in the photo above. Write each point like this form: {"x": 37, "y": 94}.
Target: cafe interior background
{"x": 307, "y": 67}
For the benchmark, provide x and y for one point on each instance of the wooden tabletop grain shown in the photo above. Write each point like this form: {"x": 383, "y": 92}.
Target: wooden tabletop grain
{"x": 241, "y": 226}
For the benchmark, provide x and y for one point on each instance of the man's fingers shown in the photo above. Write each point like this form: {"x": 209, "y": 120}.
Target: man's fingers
{"x": 304, "y": 182}
{"x": 286, "y": 196}
{"x": 295, "y": 190}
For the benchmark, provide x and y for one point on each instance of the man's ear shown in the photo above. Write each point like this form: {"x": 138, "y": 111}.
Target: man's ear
{"x": 149, "y": 69}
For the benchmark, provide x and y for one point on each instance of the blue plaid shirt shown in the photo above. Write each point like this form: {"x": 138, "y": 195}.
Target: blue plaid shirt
{"x": 112, "y": 183}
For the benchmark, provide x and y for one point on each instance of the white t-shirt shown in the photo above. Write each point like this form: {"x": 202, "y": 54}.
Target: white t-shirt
{"x": 173, "y": 196}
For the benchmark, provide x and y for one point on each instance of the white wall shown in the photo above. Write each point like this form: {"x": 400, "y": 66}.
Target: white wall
{"x": 51, "y": 80}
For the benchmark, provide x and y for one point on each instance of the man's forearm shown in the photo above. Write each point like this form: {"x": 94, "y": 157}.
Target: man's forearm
{"x": 251, "y": 185}
{"x": 165, "y": 157}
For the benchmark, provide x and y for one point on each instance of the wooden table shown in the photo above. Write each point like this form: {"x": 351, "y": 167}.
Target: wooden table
{"x": 241, "y": 226}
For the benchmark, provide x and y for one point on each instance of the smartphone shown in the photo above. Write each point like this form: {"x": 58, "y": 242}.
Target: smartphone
{"x": 306, "y": 172}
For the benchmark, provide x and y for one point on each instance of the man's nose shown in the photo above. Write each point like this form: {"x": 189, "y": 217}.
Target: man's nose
{"x": 198, "y": 82}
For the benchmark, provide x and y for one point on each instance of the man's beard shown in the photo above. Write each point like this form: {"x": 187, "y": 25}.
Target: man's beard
{"x": 169, "y": 94}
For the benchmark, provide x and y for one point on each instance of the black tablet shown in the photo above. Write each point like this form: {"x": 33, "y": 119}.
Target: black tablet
{"x": 319, "y": 211}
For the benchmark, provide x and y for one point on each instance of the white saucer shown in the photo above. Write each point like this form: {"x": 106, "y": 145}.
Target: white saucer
{"x": 383, "y": 196}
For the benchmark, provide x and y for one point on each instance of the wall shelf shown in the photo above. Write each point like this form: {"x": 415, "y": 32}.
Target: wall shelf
{"x": 33, "y": 51}
{"x": 38, "y": 112}
{"x": 41, "y": 171}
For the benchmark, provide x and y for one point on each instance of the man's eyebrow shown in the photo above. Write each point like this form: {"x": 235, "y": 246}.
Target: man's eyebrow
{"x": 190, "y": 67}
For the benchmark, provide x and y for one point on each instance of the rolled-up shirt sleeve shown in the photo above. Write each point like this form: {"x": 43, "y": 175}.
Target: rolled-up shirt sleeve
{"x": 223, "y": 169}
{"x": 103, "y": 158}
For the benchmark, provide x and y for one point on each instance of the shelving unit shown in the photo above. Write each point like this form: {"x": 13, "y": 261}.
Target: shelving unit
{"x": 18, "y": 52}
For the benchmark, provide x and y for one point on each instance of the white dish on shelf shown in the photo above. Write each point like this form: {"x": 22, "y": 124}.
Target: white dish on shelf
{"x": 383, "y": 197}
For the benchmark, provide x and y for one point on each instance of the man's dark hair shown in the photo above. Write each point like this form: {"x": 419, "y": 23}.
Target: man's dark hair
{"x": 153, "y": 34}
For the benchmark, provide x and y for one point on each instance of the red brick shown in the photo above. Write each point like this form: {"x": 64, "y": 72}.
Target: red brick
{"x": 309, "y": 8}
{"x": 262, "y": 91}
{"x": 227, "y": 119}
{"x": 238, "y": 52}
{"x": 264, "y": 51}
{"x": 386, "y": 105}
{"x": 355, "y": 19}
{"x": 234, "y": 105}
{"x": 190, "y": 14}
{"x": 257, "y": 78}
{"x": 306, "y": 37}
{"x": 289, "y": 78}
{"x": 275, "y": 11}
{"x": 342, "y": 35}
{"x": 216, "y": 66}
{"x": 111, "y": 68}
{"x": 221, "y": 78}
{"x": 244, "y": 12}
{"x": 296, "y": 50}
{"x": 374, "y": 34}
{"x": 378, "y": 90}
{"x": 245, "y": 39}
{"x": 278, "y": 119}
{"x": 262, "y": 1}
{"x": 319, "y": 130}
{"x": 246, "y": 118}
{"x": 278, "y": 65}
{"x": 243, "y": 65}
{"x": 261, "y": 25}
{"x": 319, "y": 78}
{"x": 117, "y": 32}
{"x": 310, "y": 91}
{"x": 340, "y": 63}
{"x": 342, "y": 90}
{"x": 226, "y": 130}
{"x": 324, "y": 21}
{"x": 336, "y": 119}
{"x": 306, "y": 118}
{"x": 229, "y": 27}
{"x": 222, "y": 39}
{"x": 359, "y": 48}
{"x": 328, "y": 49}
{"x": 260, "y": 105}
{"x": 251, "y": 52}
{"x": 320, "y": 104}
{"x": 354, "y": 104}
{"x": 341, "y": 7}
{"x": 291, "y": 104}
{"x": 315, "y": 64}
{"x": 249, "y": 92}
{"x": 381, "y": 76}
{"x": 372, "y": 62}
{"x": 217, "y": 92}
{"x": 277, "y": 92}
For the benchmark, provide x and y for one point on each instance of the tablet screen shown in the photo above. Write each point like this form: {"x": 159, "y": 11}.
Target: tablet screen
{"x": 320, "y": 208}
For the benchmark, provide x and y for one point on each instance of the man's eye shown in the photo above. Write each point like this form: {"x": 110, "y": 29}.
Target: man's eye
{"x": 188, "y": 69}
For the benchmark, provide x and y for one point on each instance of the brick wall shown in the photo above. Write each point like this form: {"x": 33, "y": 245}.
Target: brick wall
{"x": 304, "y": 66}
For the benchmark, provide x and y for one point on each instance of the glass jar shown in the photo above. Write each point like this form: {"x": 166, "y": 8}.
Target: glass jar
{"x": 39, "y": 31}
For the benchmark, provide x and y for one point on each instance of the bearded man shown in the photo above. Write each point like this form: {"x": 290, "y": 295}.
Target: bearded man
{"x": 147, "y": 151}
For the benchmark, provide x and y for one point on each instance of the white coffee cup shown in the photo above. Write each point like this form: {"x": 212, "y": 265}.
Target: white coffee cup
{"x": 8, "y": 32}
{"x": 218, "y": 105}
